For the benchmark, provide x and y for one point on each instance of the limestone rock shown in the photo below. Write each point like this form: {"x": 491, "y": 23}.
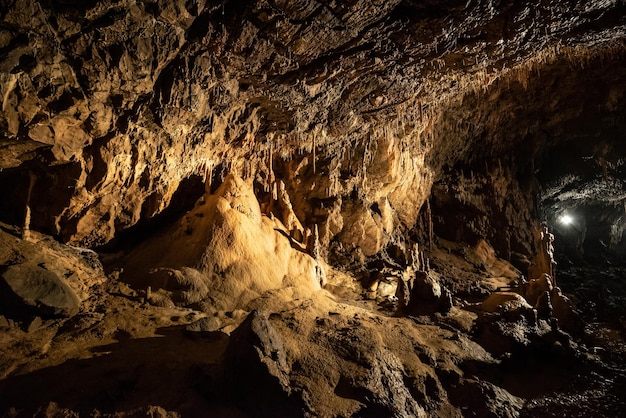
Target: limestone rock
{"x": 265, "y": 370}
{"x": 35, "y": 325}
{"x": 427, "y": 295}
{"x": 257, "y": 372}
{"x": 563, "y": 310}
{"x": 537, "y": 287}
{"x": 486, "y": 400}
{"x": 5, "y": 323}
{"x": 45, "y": 277}
{"x": 42, "y": 289}
{"x": 136, "y": 98}
{"x": 510, "y": 307}
{"x": 225, "y": 251}
{"x": 382, "y": 124}
{"x": 186, "y": 285}
{"x": 504, "y": 301}
{"x": 206, "y": 324}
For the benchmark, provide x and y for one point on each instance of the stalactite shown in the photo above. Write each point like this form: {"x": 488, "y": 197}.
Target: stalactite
{"x": 430, "y": 225}
{"x": 270, "y": 162}
{"x": 314, "y": 155}
{"x": 208, "y": 176}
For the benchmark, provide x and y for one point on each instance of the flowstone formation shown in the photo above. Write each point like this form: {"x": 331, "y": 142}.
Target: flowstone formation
{"x": 312, "y": 208}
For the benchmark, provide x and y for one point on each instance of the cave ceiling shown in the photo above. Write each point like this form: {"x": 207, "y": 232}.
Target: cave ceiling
{"x": 312, "y": 208}
{"x": 115, "y": 104}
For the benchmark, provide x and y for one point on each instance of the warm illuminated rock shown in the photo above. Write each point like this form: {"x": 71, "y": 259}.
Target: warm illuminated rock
{"x": 224, "y": 252}
{"x": 359, "y": 179}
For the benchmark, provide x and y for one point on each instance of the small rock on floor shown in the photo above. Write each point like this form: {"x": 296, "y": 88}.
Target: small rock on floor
{"x": 206, "y": 324}
{"x": 35, "y": 325}
{"x": 4, "y": 322}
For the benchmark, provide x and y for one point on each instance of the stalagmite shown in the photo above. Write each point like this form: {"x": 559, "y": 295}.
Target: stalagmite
{"x": 311, "y": 208}
{"x": 32, "y": 178}
{"x": 429, "y": 217}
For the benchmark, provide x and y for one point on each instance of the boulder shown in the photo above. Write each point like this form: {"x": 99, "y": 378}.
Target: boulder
{"x": 504, "y": 301}
{"x": 42, "y": 277}
{"x": 427, "y": 296}
{"x": 35, "y": 286}
{"x": 206, "y": 324}
{"x": 256, "y": 372}
{"x": 5, "y": 323}
{"x": 485, "y": 399}
{"x": 518, "y": 310}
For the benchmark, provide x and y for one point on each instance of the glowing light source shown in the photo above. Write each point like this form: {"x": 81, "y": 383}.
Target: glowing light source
{"x": 566, "y": 219}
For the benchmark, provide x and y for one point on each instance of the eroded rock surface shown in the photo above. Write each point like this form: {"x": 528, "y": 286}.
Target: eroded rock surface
{"x": 336, "y": 197}
{"x": 43, "y": 277}
{"x": 223, "y": 253}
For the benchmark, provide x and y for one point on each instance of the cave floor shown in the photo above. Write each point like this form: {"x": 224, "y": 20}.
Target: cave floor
{"x": 121, "y": 357}
{"x": 117, "y": 354}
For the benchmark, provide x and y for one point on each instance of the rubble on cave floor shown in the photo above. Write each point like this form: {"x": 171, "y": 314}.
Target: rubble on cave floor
{"x": 345, "y": 195}
{"x": 321, "y": 353}
{"x": 254, "y": 333}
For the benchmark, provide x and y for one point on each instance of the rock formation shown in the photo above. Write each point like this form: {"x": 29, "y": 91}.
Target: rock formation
{"x": 329, "y": 205}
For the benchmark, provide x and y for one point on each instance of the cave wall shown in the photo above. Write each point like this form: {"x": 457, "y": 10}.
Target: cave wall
{"x": 531, "y": 145}
{"x": 357, "y": 107}
{"x": 256, "y": 157}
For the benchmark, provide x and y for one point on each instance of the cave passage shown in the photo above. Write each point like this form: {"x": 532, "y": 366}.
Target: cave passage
{"x": 312, "y": 208}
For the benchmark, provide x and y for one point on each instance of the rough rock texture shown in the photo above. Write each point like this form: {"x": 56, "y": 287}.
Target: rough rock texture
{"x": 225, "y": 251}
{"x": 43, "y": 277}
{"x": 342, "y": 102}
{"x": 359, "y": 179}
{"x": 348, "y": 368}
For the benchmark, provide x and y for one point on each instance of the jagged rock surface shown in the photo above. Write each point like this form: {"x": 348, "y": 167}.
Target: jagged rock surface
{"x": 236, "y": 156}
{"x": 343, "y": 102}
{"x": 45, "y": 278}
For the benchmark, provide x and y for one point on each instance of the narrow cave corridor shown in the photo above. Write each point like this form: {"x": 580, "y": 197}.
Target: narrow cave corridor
{"x": 312, "y": 208}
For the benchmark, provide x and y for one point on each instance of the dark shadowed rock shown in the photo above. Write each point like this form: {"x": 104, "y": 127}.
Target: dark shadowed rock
{"x": 256, "y": 371}
{"x": 32, "y": 285}
{"x": 206, "y": 324}
{"x": 4, "y": 322}
{"x": 427, "y": 295}
{"x": 485, "y": 400}
{"x": 41, "y": 277}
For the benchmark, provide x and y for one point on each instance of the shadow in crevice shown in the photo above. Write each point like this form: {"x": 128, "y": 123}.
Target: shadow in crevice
{"x": 123, "y": 376}
{"x": 182, "y": 201}
{"x": 526, "y": 378}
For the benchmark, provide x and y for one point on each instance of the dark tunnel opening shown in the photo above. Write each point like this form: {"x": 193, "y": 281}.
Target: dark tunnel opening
{"x": 582, "y": 198}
